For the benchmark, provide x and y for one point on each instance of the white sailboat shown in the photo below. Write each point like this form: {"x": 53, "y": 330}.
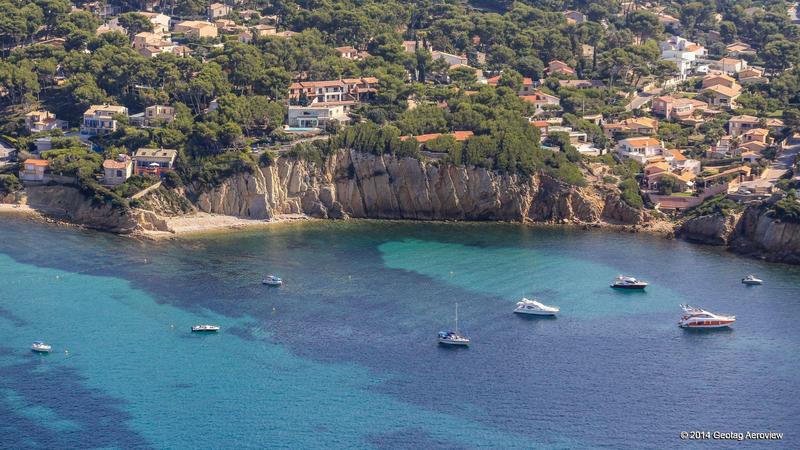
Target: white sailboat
{"x": 453, "y": 337}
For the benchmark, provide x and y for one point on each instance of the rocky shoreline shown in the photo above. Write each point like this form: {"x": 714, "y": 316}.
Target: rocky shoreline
{"x": 365, "y": 186}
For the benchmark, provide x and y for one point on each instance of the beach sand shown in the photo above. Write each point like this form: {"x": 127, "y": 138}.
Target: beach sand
{"x": 200, "y": 222}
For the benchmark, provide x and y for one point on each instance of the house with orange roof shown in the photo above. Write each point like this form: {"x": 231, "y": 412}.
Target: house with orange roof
{"x": 677, "y": 108}
{"x": 639, "y": 125}
{"x": 722, "y": 96}
{"x": 738, "y": 125}
{"x": 730, "y": 66}
{"x": 738, "y": 49}
{"x": 756, "y": 135}
{"x": 347, "y": 52}
{"x": 542, "y": 101}
{"x": 640, "y": 149}
{"x": 716, "y": 79}
{"x": 752, "y": 75}
{"x": 196, "y": 28}
{"x": 116, "y": 171}
{"x": 559, "y": 67}
{"x": 42, "y": 120}
{"x": 34, "y": 170}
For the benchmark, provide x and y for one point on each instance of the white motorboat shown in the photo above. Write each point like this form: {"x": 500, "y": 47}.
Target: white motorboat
{"x": 534, "y": 307}
{"x": 453, "y": 337}
{"x": 625, "y": 282}
{"x": 752, "y": 280}
{"x": 700, "y": 318}
{"x": 40, "y": 347}
{"x": 272, "y": 280}
{"x": 205, "y": 328}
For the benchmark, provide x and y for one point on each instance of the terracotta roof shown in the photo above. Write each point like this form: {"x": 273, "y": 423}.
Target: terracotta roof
{"x": 758, "y": 131}
{"x": 677, "y": 155}
{"x": 458, "y": 135}
{"x": 648, "y": 141}
{"x": 744, "y": 119}
{"x": 38, "y": 162}
{"x": 113, "y": 164}
{"x": 724, "y": 90}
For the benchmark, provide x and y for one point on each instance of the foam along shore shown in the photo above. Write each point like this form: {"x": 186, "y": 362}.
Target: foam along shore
{"x": 201, "y": 222}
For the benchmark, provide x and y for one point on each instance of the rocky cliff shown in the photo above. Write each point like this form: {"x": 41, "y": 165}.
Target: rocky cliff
{"x": 359, "y": 185}
{"x": 751, "y": 232}
{"x": 70, "y": 204}
{"x": 353, "y": 184}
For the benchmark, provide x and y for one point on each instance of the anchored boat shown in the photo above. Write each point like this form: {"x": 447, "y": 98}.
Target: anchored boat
{"x": 453, "y": 337}
{"x": 535, "y": 307}
{"x": 700, "y": 318}
{"x": 625, "y": 282}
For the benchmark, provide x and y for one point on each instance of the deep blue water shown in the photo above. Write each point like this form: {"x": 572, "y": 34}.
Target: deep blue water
{"x": 344, "y": 354}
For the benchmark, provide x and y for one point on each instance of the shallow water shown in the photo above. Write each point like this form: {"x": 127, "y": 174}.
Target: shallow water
{"x": 344, "y": 354}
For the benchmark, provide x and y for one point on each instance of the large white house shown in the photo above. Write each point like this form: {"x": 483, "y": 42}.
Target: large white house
{"x": 685, "y": 54}
{"x": 317, "y": 114}
{"x": 640, "y": 148}
{"x": 99, "y": 119}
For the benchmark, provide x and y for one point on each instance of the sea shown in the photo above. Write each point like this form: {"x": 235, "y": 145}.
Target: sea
{"x": 344, "y": 354}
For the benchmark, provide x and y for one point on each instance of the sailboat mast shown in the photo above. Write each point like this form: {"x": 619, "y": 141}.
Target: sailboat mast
{"x": 456, "y": 318}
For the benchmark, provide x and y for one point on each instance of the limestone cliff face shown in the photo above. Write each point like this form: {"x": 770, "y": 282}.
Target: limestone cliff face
{"x": 714, "y": 229}
{"x": 758, "y": 233}
{"x": 752, "y": 232}
{"x": 353, "y": 184}
{"x": 69, "y": 203}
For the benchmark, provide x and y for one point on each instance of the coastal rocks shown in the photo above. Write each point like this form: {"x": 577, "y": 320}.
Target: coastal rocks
{"x": 362, "y": 185}
{"x": 70, "y": 204}
{"x": 758, "y": 234}
{"x": 715, "y": 229}
{"x": 752, "y": 232}
{"x": 615, "y": 210}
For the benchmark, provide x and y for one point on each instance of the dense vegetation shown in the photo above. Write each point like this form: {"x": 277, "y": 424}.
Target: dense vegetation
{"x": 247, "y": 82}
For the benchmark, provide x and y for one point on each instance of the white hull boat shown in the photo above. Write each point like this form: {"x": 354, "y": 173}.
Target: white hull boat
{"x": 453, "y": 338}
{"x": 536, "y": 308}
{"x": 272, "y": 280}
{"x": 205, "y": 329}
{"x": 698, "y": 318}
{"x": 40, "y": 347}
{"x": 752, "y": 280}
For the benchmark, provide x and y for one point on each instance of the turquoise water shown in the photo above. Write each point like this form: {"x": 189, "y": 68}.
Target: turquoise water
{"x": 344, "y": 354}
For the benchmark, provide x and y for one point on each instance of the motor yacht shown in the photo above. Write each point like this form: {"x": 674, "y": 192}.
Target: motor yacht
{"x": 625, "y": 282}
{"x": 205, "y": 328}
{"x": 272, "y": 280}
{"x": 534, "y": 307}
{"x": 752, "y": 280}
{"x": 453, "y": 337}
{"x": 700, "y": 318}
{"x": 40, "y": 347}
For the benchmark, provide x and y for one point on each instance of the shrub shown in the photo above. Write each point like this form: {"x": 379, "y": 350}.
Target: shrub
{"x": 9, "y": 183}
{"x": 629, "y": 191}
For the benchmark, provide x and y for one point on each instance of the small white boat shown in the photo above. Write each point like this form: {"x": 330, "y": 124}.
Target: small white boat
{"x": 535, "y": 307}
{"x": 205, "y": 328}
{"x": 625, "y": 282}
{"x": 700, "y": 318}
{"x": 453, "y": 337}
{"x": 272, "y": 280}
{"x": 752, "y": 280}
{"x": 40, "y": 347}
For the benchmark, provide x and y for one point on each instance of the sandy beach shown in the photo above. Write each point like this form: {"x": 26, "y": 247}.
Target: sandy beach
{"x": 18, "y": 209}
{"x": 198, "y": 223}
